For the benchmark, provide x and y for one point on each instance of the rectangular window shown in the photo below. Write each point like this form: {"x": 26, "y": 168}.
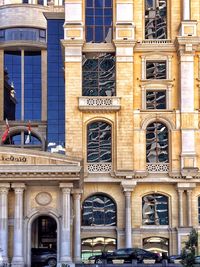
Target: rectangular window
{"x": 155, "y": 19}
{"x": 156, "y": 99}
{"x": 156, "y": 70}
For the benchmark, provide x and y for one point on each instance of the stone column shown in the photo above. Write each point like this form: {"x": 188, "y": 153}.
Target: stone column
{"x": 65, "y": 224}
{"x": 128, "y": 188}
{"x": 77, "y": 225}
{"x": 189, "y": 207}
{"x": 186, "y": 9}
{"x": 4, "y": 220}
{"x": 180, "y": 207}
{"x": 18, "y": 249}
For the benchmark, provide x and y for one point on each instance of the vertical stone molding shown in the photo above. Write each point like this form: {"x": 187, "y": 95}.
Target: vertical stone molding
{"x": 186, "y": 9}
{"x": 77, "y": 225}
{"x": 180, "y": 207}
{"x": 189, "y": 207}
{"x": 65, "y": 224}
{"x": 128, "y": 189}
{"x": 4, "y": 188}
{"x": 18, "y": 249}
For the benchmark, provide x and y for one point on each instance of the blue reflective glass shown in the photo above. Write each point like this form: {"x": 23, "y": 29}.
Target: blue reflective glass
{"x": 98, "y": 13}
{"x": 32, "y": 85}
{"x": 55, "y": 80}
{"x": 12, "y": 64}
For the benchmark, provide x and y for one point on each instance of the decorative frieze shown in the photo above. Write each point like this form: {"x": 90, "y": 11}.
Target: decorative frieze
{"x": 158, "y": 167}
{"x": 99, "y": 167}
{"x": 99, "y": 103}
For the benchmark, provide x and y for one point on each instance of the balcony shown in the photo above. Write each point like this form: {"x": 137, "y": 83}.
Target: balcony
{"x": 96, "y": 103}
{"x": 157, "y": 167}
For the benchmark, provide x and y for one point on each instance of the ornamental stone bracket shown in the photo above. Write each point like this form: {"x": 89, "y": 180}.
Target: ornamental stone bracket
{"x": 189, "y": 172}
{"x": 128, "y": 186}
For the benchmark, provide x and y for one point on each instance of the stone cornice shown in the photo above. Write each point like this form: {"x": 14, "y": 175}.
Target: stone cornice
{"x": 72, "y": 43}
{"x": 124, "y": 43}
{"x": 181, "y": 43}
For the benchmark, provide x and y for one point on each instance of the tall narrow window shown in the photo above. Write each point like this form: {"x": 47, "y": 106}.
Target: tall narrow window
{"x": 155, "y": 210}
{"x": 98, "y": 21}
{"x": 99, "y": 142}
{"x": 99, "y": 75}
{"x": 155, "y": 19}
{"x": 99, "y": 210}
{"x": 157, "y": 143}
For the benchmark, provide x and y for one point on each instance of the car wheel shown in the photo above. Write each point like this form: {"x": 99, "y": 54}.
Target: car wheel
{"x": 52, "y": 262}
{"x": 99, "y": 261}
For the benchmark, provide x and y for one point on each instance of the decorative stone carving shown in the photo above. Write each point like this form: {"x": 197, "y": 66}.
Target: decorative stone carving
{"x": 43, "y": 198}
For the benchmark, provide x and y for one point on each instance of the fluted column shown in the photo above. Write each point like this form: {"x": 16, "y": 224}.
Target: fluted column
{"x": 186, "y": 9}
{"x": 189, "y": 207}
{"x": 65, "y": 224}
{"x": 4, "y": 221}
{"x": 77, "y": 225}
{"x": 180, "y": 207}
{"x": 18, "y": 249}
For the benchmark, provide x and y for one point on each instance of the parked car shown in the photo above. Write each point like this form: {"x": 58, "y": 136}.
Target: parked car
{"x": 126, "y": 254}
{"x": 197, "y": 260}
{"x": 43, "y": 256}
{"x": 172, "y": 258}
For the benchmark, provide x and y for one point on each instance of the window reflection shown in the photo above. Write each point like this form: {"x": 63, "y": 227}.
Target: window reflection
{"x": 56, "y": 88}
{"x": 156, "y": 99}
{"x": 99, "y": 210}
{"x": 98, "y": 21}
{"x": 155, "y": 19}
{"x": 156, "y": 244}
{"x": 99, "y": 75}
{"x": 155, "y": 70}
{"x": 97, "y": 245}
{"x": 155, "y": 210}
{"x": 156, "y": 143}
{"x": 99, "y": 142}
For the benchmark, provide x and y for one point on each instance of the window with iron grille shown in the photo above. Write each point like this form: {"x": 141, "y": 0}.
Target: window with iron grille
{"x": 99, "y": 142}
{"x": 156, "y": 143}
{"x": 98, "y": 75}
{"x": 98, "y": 21}
{"x": 155, "y": 19}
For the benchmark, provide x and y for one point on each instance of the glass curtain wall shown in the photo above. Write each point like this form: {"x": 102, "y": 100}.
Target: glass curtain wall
{"x": 56, "y": 88}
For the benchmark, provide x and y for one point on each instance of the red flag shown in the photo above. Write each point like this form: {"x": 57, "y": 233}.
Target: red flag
{"x": 28, "y": 139}
{"x": 6, "y": 133}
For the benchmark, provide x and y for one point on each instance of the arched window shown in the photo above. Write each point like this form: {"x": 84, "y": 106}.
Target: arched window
{"x": 155, "y": 210}
{"x": 99, "y": 210}
{"x": 98, "y": 21}
{"x": 19, "y": 137}
{"x": 95, "y": 246}
{"x": 99, "y": 142}
{"x": 157, "y": 143}
{"x": 156, "y": 19}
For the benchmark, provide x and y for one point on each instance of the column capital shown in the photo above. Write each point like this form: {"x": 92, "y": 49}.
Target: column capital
{"x": 66, "y": 187}
{"x": 76, "y": 192}
{"x": 128, "y": 186}
{"x": 185, "y": 186}
{"x": 4, "y": 188}
{"x": 18, "y": 187}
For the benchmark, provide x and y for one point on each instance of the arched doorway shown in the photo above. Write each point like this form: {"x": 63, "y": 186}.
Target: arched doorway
{"x": 44, "y": 241}
{"x": 156, "y": 244}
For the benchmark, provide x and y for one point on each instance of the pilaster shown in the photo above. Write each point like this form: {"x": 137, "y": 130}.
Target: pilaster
{"x": 65, "y": 224}
{"x": 18, "y": 246}
{"x": 77, "y": 224}
{"x": 4, "y": 188}
{"x": 128, "y": 187}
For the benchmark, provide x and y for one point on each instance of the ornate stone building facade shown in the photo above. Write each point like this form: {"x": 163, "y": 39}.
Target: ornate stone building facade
{"x": 114, "y": 86}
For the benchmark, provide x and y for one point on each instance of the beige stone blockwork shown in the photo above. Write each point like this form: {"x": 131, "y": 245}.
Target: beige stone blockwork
{"x": 124, "y": 73}
{"x": 195, "y": 215}
{"x": 195, "y": 12}
{"x": 189, "y": 120}
{"x": 139, "y": 150}
{"x": 175, "y": 149}
{"x": 73, "y": 85}
{"x": 197, "y": 145}
{"x": 11, "y": 204}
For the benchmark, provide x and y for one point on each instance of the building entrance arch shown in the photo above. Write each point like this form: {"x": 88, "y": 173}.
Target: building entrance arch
{"x": 43, "y": 235}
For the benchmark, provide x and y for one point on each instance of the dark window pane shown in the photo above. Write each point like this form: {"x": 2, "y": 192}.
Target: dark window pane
{"x": 156, "y": 99}
{"x": 156, "y": 70}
